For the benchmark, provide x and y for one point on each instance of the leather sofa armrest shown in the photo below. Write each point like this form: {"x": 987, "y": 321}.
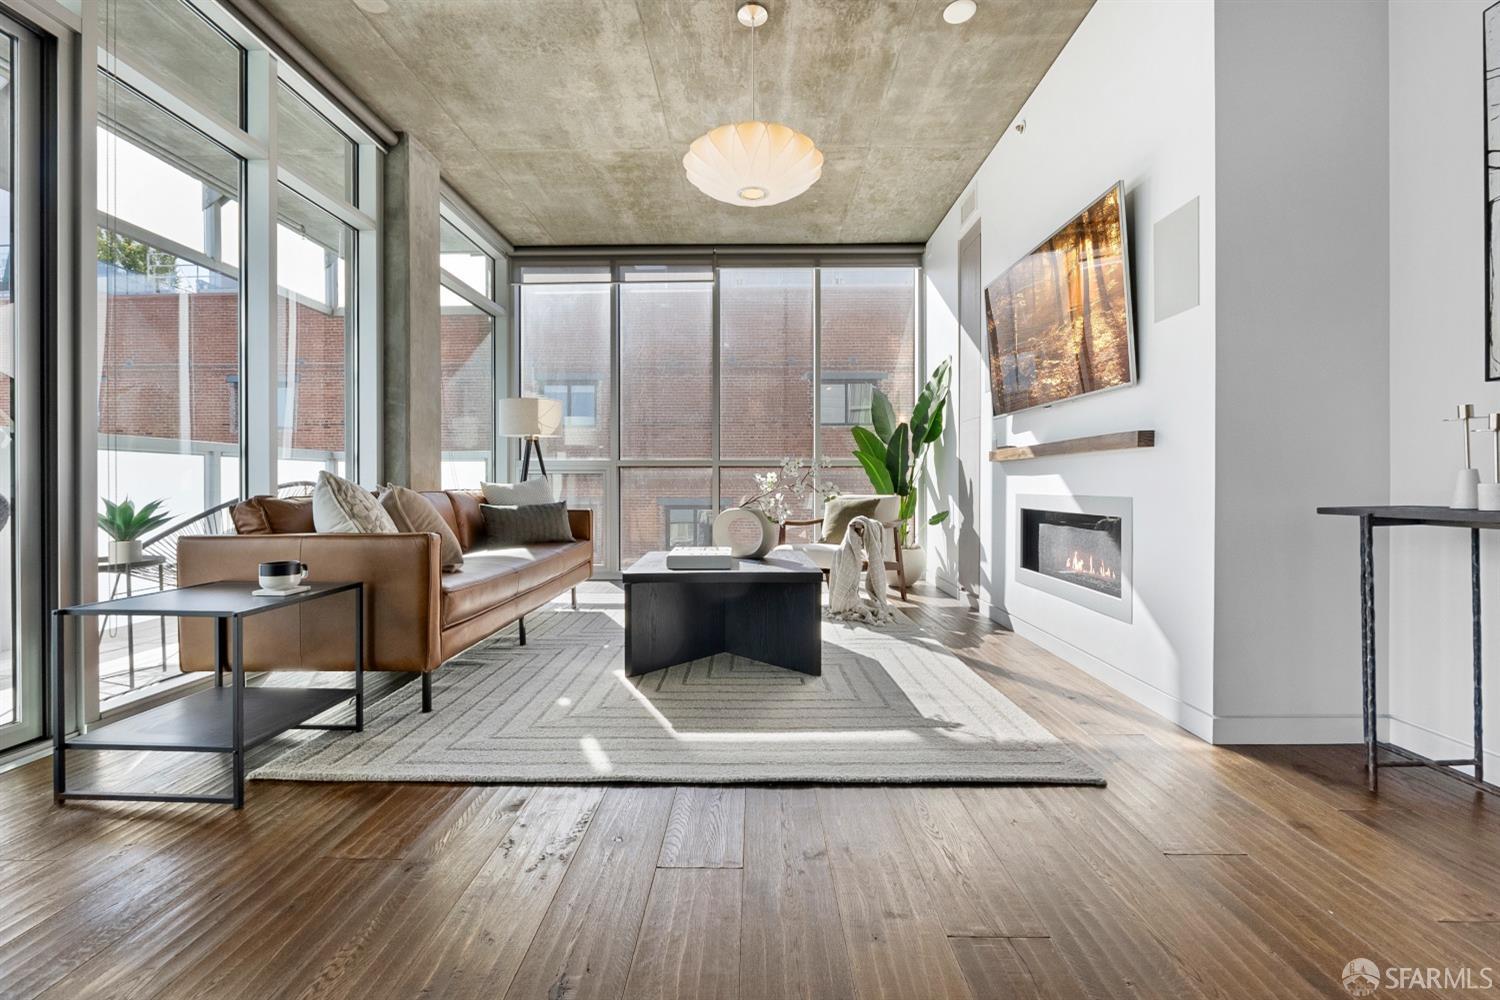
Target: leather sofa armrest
{"x": 402, "y": 581}
{"x": 582, "y": 524}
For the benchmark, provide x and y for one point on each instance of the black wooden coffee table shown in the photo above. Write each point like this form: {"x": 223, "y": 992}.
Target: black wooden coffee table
{"x": 764, "y": 609}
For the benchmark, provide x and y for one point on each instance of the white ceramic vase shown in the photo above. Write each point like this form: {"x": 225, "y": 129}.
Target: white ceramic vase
{"x": 756, "y": 535}
{"x": 130, "y": 551}
{"x": 1466, "y": 490}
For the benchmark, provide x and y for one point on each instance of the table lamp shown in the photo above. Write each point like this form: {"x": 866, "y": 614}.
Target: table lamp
{"x": 532, "y": 419}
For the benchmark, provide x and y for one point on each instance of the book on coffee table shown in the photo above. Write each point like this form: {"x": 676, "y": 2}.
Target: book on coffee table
{"x": 700, "y": 557}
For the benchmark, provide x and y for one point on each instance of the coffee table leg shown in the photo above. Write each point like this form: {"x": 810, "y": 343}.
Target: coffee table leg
{"x": 237, "y": 664}
{"x": 777, "y": 623}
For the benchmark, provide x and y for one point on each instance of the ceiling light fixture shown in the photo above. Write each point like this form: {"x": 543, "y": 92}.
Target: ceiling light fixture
{"x": 753, "y": 163}
{"x": 959, "y": 11}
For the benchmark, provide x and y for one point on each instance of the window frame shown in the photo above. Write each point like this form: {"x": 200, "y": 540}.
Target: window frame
{"x": 617, "y": 266}
{"x": 499, "y": 452}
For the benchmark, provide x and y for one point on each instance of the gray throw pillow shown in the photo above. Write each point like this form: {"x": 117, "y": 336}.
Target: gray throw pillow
{"x": 531, "y": 524}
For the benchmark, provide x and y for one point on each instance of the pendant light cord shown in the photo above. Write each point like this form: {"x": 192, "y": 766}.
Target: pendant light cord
{"x": 752, "y": 71}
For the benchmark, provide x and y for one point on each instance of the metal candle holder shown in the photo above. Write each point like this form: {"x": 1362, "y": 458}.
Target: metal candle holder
{"x": 1466, "y": 485}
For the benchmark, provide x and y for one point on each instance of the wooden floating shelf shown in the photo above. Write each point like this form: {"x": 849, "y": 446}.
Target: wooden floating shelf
{"x": 1075, "y": 446}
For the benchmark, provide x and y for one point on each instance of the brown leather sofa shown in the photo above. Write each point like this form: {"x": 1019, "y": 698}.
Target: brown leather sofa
{"x": 416, "y": 617}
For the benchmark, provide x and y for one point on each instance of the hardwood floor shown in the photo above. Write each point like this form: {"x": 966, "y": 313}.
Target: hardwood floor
{"x": 1197, "y": 872}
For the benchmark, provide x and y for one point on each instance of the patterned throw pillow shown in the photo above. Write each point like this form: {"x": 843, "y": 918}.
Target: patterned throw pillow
{"x": 531, "y": 524}
{"x": 411, "y": 512}
{"x": 342, "y": 507}
{"x": 839, "y": 511}
{"x": 523, "y": 494}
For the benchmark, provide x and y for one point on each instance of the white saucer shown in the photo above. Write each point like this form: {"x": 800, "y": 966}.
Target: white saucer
{"x": 304, "y": 588}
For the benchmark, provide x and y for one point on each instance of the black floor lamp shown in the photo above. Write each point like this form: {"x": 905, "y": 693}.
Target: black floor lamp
{"x": 530, "y": 419}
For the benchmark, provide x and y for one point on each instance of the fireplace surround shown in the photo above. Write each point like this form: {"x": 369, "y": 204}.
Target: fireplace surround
{"x": 1077, "y": 548}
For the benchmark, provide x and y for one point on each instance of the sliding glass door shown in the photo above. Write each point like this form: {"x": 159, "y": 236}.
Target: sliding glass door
{"x": 21, "y": 580}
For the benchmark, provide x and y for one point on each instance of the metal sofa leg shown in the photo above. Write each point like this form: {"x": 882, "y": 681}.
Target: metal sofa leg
{"x": 426, "y": 691}
{"x": 522, "y": 623}
{"x": 575, "y": 598}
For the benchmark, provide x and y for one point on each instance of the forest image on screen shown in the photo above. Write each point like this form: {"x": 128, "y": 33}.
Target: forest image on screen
{"x": 1059, "y": 320}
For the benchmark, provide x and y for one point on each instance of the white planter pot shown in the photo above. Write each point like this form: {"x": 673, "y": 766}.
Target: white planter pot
{"x": 914, "y": 561}
{"x": 126, "y": 552}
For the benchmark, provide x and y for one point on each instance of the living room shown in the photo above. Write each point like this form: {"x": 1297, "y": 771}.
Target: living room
{"x": 797, "y": 498}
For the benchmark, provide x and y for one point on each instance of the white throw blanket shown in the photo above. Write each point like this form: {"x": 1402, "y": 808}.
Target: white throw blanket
{"x": 863, "y": 542}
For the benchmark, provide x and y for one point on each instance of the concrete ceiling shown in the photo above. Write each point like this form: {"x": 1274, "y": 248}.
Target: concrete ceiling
{"x": 564, "y": 121}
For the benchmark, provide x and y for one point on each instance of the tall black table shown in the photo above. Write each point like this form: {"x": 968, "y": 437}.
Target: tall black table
{"x": 212, "y": 720}
{"x": 1371, "y": 518}
{"x": 764, "y": 609}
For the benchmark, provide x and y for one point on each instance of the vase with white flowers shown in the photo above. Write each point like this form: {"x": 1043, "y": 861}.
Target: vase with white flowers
{"x": 785, "y": 493}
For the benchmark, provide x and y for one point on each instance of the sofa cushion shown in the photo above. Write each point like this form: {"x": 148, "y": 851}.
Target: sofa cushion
{"x": 267, "y": 515}
{"x": 491, "y": 577}
{"x": 342, "y": 507}
{"x": 821, "y": 553}
{"x": 413, "y": 511}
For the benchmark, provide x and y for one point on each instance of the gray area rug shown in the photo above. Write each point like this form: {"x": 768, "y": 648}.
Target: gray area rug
{"x": 893, "y": 706}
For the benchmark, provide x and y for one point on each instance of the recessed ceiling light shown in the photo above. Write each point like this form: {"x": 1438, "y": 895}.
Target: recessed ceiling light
{"x": 373, "y": 6}
{"x": 959, "y": 11}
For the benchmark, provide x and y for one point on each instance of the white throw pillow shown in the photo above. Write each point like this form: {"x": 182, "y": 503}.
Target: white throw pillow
{"x": 524, "y": 494}
{"x": 342, "y": 507}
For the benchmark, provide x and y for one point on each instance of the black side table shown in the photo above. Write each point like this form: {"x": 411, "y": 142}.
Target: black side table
{"x": 215, "y": 720}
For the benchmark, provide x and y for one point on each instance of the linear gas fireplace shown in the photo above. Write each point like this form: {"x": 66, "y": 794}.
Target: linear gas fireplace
{"x": 1076, "y": 548}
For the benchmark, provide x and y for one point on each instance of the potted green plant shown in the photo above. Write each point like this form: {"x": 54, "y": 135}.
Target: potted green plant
{"x": 893, "y": 454}
{"x": 124, "y": 523}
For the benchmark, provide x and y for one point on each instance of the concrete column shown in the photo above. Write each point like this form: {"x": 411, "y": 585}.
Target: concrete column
{"x": 411, "y": 437}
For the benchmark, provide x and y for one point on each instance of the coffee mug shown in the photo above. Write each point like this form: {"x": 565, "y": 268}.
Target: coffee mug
{"x": 283, "y": 575}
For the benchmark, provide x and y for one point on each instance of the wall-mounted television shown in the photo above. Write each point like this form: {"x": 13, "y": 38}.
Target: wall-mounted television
{"x": 1060, "y": 321}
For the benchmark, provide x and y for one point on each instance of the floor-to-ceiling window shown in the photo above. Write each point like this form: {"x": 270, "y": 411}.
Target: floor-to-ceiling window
{"x": 21, "y": 674}
{"x": 236, "y": 270}
{"x": 682, "y": 380}
{"x": 471, "y": 362}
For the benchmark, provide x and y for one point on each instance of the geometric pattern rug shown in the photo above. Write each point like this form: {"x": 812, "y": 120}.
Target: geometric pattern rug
{"x": 892, "y": 706}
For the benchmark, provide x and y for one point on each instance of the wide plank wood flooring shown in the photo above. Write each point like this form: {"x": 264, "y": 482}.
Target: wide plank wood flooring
{"x": 1199, "y": 872}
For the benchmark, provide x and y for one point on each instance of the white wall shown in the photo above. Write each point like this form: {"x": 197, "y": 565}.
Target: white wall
{"x": 1129, "y": 98}
{"x": 1436, "y": 349}
{"x": 1301, "y": 92}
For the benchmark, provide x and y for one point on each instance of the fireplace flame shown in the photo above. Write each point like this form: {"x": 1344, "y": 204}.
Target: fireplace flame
{"x": 1085, "y": 565}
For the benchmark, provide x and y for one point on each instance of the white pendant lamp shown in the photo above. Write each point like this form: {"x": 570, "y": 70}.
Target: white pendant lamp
{"x": 753, "y": 163}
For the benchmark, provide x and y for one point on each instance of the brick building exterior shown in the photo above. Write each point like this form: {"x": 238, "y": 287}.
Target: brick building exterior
{"x": 666, "y": 329}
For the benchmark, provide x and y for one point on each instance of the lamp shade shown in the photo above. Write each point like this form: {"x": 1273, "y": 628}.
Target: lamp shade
{"x": 526, "y": 416}
{"x": 753, "y": 164}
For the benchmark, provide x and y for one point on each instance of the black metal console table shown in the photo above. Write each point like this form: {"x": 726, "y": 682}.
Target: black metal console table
{"x": 207, "y": 721}
{"x": 1371, "y": 518}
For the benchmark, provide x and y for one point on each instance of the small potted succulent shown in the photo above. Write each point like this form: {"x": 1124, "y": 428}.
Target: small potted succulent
{"x": 125, "y": 524}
